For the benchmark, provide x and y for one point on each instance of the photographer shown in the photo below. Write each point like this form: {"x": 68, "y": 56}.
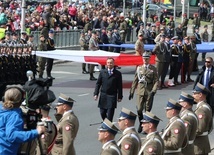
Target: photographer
{"x": 11, "y": 122}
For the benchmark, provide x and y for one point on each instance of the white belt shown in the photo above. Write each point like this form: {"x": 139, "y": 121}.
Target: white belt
{"x": 173, "y": 55}
{"x": 204, "y": 134}
{"x": 172, "y": 151}
{"x": 190, "y": 141}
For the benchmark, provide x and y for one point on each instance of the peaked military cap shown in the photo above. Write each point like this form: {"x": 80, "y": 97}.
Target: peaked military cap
{"x": 140, "y": 34}
{"x": 146, "y": 55}
{"x": 186, "y": 97}
{"x": 175, "y": 38}
{"x": 172, "y": 104}
{"x": 127, "y": 114}
{"x": 63, "y": 99}
{"x": 150, "y": 117}
{"x": 108, "y": 126}
{"x": 201, "y": 89}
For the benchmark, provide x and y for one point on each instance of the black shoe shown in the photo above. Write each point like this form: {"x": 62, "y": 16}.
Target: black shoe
{"x": 139, "y": 129}
{"x": 190, "y": 80}
{"x": 50, "y": 77}
{"x": 85, "y": 72}
{"x": 177, "y": 83}
{"x": 92, "y": 78}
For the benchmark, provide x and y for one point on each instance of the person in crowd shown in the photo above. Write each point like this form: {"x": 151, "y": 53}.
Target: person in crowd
{"x": 184, "y": 24}
{"x": 179, "y": 31}
{"x": 146, "y": 81}
{"x": 130, "y": 141}
{"x": 196, "y": 23}
{"x": 11, "y": 126}
{"x": 153, "y": 144}
{"x": 42, "y": 60}
{"x": 109, "y": 86}
{"x": 139, "y": 46}
{"x": 67, "y": 127}
{"x": 205, "y": 120}
{"x": 106, "y": 136}
{"x": 206, "y": 78}
{"x": 204, "y": 38}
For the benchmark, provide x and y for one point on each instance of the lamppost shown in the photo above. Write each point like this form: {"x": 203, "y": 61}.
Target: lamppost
{"x": 23, "y": 16}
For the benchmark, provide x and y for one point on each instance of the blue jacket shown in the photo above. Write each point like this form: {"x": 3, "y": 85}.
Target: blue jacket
{"x": 11, "y": 131}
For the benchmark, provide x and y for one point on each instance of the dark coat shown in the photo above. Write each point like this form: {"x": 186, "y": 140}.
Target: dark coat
{"x": 200, "y": 78}
{"x": 110, "y": 88}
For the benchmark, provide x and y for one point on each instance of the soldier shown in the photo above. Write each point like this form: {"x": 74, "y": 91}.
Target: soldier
{"x": 204, "y": 37}
{"x": 196, "y": 22}
{"x": 153, "y": 144}
{"x": 46, "y": 140}
{"x": 174, "y": 134}
{"x": 42, "y": 60}
{"x": 204, "y": 114}
{"x": 162, "y": 51}
{"x": 190, "y": 120}
{"x": 7, "y": 39}
{"x": 23, "y": 39}
{"x": 193, "y": 58}
{"x": 111, "y": 24}
{"x": 139, "y": 46}
{"x": 67, "y": 127}
{"x": 14, "y": 39}
{"x": 174, "y": 65}
{"x": 106, "y": 136}
{"x": 129, "y": 142}
{"x": 148, "y": 36}
{"x": 153, "y": 33}
{"x": 197, "y": 41}
{"x": 50, "y": 47}
{"x": 212, "y": 21}
{"x": 179, "y": 31}
{"x": 122, "y": 28}
{"x": 186, "y": 59}
{"x": 88, "y": 25}
{"x": 83, "y": 46}
{"x": 185, "y": 24}
{"x": 93, "y": 45}
{"x": 146, "y": 78}
{"x": 162, "y": 31}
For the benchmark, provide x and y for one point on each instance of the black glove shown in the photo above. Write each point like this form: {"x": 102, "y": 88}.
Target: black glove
{"x": 152, "y": 93}
{"x": 131, "y": 96}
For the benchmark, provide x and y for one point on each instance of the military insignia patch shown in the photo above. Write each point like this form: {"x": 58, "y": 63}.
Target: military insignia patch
{"x": 200, "y": 116}
{"x": 127, "y": 146}
{"x": 150, "y": 149}
{"x": 67, "y": 128}
{"x": 176, "y": 131}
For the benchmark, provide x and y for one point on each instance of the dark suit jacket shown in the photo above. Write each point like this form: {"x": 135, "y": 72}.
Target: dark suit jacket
{"x": 200, "y": 78}
{"x": 110, "y": 88}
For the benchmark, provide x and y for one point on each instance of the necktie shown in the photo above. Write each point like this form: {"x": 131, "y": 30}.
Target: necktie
{"x": 109, "y": 72}
{"x": 207, "y": 78}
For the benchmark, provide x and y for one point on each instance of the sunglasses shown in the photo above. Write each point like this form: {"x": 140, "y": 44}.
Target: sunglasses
{"x": 207, "y": 62}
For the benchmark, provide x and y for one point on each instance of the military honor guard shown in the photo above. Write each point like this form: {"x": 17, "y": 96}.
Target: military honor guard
{"x": 153, "y": 144}
{"x": 129, "y": 142}
{"x": 192, "y": 58}
{"x": 174, "y": 134}
{"x": 146, "y": 81}
{"x": 106, "y": 136}
{"x": 205, "y": 125}
{"x": 185, "y": 24}
{"x": 196, "y": 22}
{"x": 42, "y": 60}
{"x": 67, "y": 127}
{"x": 204, "y": 38}
{"x": 162, "y": 51}
{"x": 190, "y": 120}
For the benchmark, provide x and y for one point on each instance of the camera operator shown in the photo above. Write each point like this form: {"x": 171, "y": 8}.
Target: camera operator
{"x": 11, "y": 122}
{"x": 47, "y": 139}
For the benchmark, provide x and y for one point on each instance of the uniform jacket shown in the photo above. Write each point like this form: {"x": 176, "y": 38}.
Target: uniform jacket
{"x": 151, "y": 78}
{"x": 93, "y": 44}
{"x": 47, "y": 139}
{"x": 191, "y": 122}
{"x": 67, "y": 131}
{"x": 110, "y": 88}
{"x": 11, "y": 131}
{"x": 110, "y": 148}
{"x": 205, "y": 125}
{"x": 50, "y": 44}
{"x": 200, "y": 78}
{"x": 83, "y": 43}
{"x": 153, "y": 144}
{"x": 139, "y": 47}
{"x": 205, "y": 36}
{"x": 174, "y": 135}
{"x": 129, "y": 142}
{"x": 162, "y": 51}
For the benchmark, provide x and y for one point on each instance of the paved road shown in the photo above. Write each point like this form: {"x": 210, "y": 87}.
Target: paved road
{"x": 71, "y": 81}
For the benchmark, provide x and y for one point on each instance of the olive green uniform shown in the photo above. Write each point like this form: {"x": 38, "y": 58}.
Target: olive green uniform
{"x": 42, "y": 60}
{"x": 110, "y": 148}
{"x": 139, "y": 47}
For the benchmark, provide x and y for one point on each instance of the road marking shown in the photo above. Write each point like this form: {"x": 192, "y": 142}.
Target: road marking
{"x": 63, "y": 72}
{"x": 84, "y": 94}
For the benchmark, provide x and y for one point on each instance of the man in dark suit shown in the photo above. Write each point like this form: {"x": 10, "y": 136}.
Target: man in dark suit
{"x": 206, "y": 78}
{"x": 110, "y": 82}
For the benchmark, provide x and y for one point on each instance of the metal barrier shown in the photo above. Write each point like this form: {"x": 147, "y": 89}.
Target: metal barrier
{"x": 70, "y": 38}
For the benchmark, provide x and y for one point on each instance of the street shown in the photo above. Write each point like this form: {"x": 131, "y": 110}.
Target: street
{"x": 70, "y": 81}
